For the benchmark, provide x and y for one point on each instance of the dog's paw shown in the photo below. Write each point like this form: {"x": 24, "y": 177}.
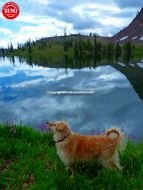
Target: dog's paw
{"x": 70, "y": 171}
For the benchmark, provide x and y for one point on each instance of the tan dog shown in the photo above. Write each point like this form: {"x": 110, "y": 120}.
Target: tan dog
{"x": 73, "y": 148}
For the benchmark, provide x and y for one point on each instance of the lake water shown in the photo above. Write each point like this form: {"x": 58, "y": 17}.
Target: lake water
{"x": 117, "y": 100}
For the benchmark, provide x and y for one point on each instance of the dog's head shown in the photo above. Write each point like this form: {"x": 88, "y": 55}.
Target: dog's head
{"x": 60, "y": 129}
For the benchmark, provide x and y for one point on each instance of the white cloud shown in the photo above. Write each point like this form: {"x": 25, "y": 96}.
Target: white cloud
{"x": 111, "y": 21}
{"x": 34, "y": 32}
{"x": 101, "y": 13}
{"x": 43, "y": 27}
{"x": 53, "y": 21}
{"x": 4, "y": 42}
{"x": 27, "y": 18}
{"x": 5, "y": 31}
{"x": 1, "y": 3}
{"x": 42, "y": 2}
{"x": 94, "y": 8}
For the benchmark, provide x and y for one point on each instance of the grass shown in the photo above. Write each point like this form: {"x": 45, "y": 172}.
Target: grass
{"x": 28, "y": 160}
{"x": 138, "y": 52}
{"x": 49, "y": 52}
{"x": 55, "y": 56}
{"x": 54, "y": 50}
{"x": 49, "y": 56}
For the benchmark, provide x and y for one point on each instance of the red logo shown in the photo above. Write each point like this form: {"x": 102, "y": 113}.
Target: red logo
{"x": 10, "y": 10}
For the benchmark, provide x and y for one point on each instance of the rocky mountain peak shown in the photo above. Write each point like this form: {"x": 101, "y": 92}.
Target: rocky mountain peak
{"x": 133, "y": 32}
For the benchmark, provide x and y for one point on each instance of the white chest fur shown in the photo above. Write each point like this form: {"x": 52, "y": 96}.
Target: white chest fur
{"x": 63, "y": 155}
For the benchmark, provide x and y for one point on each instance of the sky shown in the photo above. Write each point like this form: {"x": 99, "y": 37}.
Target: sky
{"x": 42, "y": 18}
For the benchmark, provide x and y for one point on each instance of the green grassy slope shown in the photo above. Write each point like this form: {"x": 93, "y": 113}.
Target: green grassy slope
{"x": 28, "y": 160}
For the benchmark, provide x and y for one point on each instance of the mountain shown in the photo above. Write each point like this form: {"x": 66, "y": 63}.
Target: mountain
{"x": 133, "y": 32}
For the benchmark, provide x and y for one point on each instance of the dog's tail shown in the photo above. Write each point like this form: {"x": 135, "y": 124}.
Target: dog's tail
{"x": 118, "y": 136}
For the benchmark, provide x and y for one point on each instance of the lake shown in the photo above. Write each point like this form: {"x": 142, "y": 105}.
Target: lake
{"x": 116, "y": 99}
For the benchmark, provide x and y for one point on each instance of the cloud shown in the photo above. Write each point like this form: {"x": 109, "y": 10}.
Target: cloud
{"x": 130, "y": 3}
{"x": 104, "y": 18}
{"x": 46, "y": 26}
{"x": 20, "y": 102}
{"x": 85, "y": 23}
{"x": 42, "y": 2}
{"x": 125, "y": 14}
{"x": 5, "y": 31}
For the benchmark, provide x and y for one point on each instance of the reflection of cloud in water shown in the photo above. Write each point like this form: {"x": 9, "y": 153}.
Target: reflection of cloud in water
{"x": 50, "y": 74}
{"x": 6, "y": 71}
{"x": 30, "y": 75}
{"x": 140, "y": 65}
{"x": 110, "y": 77}
{"x": 114, "y": 103}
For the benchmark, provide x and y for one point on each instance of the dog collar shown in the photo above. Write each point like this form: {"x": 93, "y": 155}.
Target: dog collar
{"x": 60, "y": 140}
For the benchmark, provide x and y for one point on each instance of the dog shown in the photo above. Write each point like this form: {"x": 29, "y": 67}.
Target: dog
{"x": 73, "y": 147}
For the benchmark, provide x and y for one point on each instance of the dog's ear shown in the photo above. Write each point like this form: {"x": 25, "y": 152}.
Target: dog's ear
{"x": 62, "y": 127}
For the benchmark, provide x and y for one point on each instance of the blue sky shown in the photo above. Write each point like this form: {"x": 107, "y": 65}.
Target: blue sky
{"x": 41, "y": 18}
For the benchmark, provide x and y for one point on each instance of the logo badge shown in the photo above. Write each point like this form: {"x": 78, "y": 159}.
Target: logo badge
{"x": 10, "y": 10}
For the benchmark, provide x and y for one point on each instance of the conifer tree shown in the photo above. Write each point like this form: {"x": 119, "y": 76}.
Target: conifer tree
{"x": 118, "y": 51}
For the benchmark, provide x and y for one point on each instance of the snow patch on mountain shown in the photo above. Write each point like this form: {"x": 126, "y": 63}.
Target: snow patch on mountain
{"x": 121, "y": 39}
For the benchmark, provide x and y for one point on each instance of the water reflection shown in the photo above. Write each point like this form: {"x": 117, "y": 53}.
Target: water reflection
{"x": 24, "y": 95}
{"x": 132, "y": 70}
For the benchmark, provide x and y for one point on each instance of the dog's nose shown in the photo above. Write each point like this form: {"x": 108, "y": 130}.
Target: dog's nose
{"x": 47, "y": 122}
